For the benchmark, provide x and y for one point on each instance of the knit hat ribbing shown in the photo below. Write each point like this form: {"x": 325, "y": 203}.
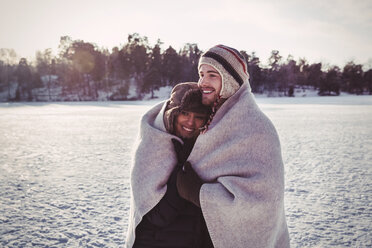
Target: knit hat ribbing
{"x": 230, "y": 64}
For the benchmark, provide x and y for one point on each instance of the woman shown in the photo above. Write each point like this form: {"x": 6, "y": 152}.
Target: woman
{"x": 173, "y": 221}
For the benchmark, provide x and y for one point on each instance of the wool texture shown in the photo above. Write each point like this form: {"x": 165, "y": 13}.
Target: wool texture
{"x": 238, "y": 158}
{"x": 152, "y": 164}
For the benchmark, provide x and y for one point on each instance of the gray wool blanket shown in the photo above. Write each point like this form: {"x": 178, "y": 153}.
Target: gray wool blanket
{"x": 239, "y": 158}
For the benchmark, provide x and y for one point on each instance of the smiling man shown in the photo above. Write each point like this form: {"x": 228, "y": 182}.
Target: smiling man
{"x": 222, "y": 71}
{"x": 237, "y": 159}
{"x": 210, "y": 84}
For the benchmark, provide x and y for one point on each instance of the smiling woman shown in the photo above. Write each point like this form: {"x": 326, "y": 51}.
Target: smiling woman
{"x": 188, "y": 124}
{"x": 192, "y": 115}
{"x": 165, "y": 218}
{"x": 185, "y": 114}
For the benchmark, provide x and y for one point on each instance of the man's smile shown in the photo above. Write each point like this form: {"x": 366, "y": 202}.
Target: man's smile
{"x": 207, "y": 90}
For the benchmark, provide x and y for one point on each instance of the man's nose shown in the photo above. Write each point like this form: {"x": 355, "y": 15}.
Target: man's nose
{"x": 203, "y": 81}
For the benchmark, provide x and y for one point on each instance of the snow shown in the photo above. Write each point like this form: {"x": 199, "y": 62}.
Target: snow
{"x": 49, "y": 79}
{"x": 64, "y": 170}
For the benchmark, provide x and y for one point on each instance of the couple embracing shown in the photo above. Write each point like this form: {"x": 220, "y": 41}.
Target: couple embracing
{"x": 207, "y": 169}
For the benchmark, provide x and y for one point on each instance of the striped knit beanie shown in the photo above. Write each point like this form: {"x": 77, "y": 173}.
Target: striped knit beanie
{"x": 230, "y": 64}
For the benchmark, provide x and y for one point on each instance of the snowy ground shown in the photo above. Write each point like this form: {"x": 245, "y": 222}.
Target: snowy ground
{"x": 64, "y": 171}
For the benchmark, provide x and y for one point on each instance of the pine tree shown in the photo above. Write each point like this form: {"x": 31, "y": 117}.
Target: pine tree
{"x": 24, "y": 78}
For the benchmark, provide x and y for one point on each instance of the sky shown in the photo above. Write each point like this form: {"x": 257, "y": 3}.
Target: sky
{"x": 333, "y": 32}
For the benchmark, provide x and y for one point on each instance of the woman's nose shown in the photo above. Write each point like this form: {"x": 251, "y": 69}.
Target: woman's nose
{"x": 190, "y": 121}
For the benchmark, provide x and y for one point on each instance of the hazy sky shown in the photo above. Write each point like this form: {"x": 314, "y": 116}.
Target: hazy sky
{"x": 330, "y": 31}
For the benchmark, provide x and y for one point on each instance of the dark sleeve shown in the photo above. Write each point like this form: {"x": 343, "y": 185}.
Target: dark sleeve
{"x": 169, "y": 206}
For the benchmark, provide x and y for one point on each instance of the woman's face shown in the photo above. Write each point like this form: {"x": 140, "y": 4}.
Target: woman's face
{"x": 210, "y": 84}
{"x": 188, "y": 124}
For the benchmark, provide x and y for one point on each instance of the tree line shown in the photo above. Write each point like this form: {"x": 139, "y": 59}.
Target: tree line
{"x": 85, "y": 70}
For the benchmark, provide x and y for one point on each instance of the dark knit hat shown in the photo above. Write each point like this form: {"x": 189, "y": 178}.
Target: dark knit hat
{"x": 192, "y": 102}
{"x": 231, "y": 65}
{"x": 184, "y": 97}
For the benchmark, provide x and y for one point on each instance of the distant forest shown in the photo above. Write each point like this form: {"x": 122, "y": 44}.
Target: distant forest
{"x": 85, "y": 70}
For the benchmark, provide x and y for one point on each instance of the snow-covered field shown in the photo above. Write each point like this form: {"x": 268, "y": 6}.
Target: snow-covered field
{"x": 64, "y": 171}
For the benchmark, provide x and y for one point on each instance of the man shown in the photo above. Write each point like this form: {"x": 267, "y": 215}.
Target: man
{"x": 235, "y": 170}
{"x": 173, "y": 221}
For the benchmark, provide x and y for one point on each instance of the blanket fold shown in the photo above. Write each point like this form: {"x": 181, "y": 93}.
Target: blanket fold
{"x": 238, "y": 158}
{"x": 152, "y": 163}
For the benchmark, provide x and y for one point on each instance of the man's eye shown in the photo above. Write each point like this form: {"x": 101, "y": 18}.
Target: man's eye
{"x": 184, "y": 113}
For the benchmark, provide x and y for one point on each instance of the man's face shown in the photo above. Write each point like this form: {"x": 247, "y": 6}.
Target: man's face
{"x": 187, "y": 124}
{"x": 210, "y": 84}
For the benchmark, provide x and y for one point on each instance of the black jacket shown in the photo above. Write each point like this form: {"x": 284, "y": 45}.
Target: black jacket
{"x": 174, "y": 222}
